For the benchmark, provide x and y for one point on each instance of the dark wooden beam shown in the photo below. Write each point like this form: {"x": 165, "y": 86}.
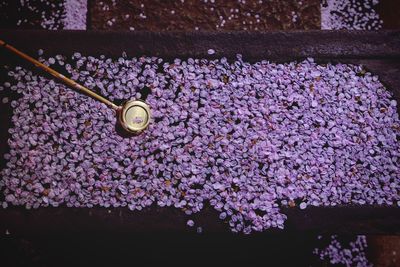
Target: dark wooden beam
{"x": 279, "y": 46}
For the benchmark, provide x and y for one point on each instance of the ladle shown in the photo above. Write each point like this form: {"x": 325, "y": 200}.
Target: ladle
{"x": 133, "y": 115}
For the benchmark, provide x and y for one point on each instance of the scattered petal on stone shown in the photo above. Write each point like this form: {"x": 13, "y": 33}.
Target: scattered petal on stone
{"x": 350, "y": 14}
{"x": 352, "y": 254}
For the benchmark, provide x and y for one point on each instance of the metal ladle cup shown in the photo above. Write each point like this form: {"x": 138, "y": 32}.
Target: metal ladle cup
{"x": 133, "y": 115}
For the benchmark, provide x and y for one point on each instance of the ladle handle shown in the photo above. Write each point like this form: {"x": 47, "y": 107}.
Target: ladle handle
{"x": 60, "y": 76}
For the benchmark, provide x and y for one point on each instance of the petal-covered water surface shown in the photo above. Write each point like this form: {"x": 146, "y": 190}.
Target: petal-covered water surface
{"x": 245, "y": 138}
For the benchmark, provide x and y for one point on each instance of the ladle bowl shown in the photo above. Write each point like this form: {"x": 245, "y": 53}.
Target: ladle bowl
{"x": 134, "y": 116}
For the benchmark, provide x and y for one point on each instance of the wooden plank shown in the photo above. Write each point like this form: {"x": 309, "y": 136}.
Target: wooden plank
{"x": 321, "y": 220}
{"x": 278, "y": 46}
